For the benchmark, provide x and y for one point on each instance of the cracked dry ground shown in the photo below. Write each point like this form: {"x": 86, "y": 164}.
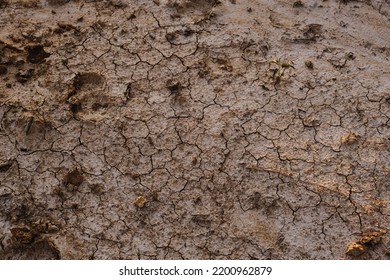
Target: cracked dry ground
{"x": 154, "y": 130}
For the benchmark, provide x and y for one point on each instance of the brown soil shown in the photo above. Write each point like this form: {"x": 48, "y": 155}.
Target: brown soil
{"x": 182, "y": 129}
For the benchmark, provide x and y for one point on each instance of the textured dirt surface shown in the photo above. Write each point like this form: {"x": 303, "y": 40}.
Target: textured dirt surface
{"x": 160, "y": 129}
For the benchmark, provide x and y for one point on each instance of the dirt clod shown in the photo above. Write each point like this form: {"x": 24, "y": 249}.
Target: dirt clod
{"x": 36, "y": 54}
{"x": 355, "y": 249}
{"x": 350, "y": 138}
{"x": 75, "y": 178}
{"x": 309, "y": 64}
{"x": 86, "y": 80}
{"x": 24, "y": 76}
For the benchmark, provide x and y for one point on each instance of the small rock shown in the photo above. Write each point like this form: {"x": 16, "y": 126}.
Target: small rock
{"x": 355, "y": 249}
{"x": 140, "y": 201}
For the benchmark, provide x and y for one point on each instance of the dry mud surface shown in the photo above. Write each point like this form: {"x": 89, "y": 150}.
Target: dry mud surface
{"x": 160, "y": 129}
